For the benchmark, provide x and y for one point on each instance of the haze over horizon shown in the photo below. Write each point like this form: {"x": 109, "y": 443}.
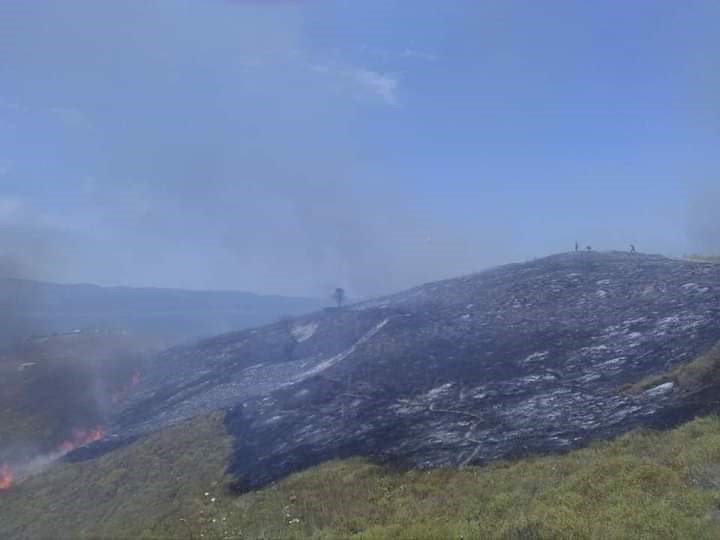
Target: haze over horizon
{"x": 293, "y": 147}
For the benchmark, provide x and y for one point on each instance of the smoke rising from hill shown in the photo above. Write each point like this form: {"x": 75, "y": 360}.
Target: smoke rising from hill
{"x": 704, "y": 226}
{"x": 230, "y": 160}
{"x": 244, "y": 145}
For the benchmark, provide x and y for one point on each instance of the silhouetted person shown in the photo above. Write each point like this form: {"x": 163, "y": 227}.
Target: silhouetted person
{"x": 632, "y": 248}
{"x": 577, "y": 246}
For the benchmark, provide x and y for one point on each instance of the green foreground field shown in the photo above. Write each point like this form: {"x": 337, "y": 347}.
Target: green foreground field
{"x": 173, "y": 485}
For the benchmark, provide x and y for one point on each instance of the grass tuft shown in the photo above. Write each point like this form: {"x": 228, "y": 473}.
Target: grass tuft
{"x": 691, "y": 376}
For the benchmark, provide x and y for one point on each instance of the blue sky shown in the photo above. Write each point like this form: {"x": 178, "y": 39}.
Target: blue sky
{"x": 293, "y": 146}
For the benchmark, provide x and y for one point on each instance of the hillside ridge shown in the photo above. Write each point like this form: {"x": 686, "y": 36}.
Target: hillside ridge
{"x": 523, "y": 358}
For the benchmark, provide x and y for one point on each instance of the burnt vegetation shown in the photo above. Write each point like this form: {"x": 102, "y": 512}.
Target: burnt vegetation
{"x": 426, "y": 395}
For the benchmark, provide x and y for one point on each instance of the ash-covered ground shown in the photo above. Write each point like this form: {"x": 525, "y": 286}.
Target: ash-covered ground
{"x": 523, "y": 358}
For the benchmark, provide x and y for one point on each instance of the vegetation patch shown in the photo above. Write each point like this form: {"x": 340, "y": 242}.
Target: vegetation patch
{"x": 645, "y": 484}
{"x": 143, "y": 490}
{"x": 688, "y": 377}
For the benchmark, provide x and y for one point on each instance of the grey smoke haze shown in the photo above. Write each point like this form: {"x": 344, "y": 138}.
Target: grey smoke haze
{"x": 705, "y": 220}
{"x": 256, "y": 173}
{"x": 292, "y": 147}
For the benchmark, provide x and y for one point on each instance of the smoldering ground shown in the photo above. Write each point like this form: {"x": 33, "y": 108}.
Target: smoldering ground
{"x": 57, "y": 391}
{"x": 51, "y": 384}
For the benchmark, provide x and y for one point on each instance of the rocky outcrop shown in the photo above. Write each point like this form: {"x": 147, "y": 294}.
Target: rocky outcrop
{"x": 523, "y": 358}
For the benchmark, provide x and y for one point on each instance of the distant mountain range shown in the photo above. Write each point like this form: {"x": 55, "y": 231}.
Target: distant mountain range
{"x": 32, "y": 308}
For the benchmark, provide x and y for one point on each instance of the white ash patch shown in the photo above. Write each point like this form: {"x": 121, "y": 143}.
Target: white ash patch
{"x": 536, "y": 357}
{"x": 536, "y": 378}
{"x": 660, "y": 389}
{"x": 303, "y": 332}
{"x": 673, "y": 320}
{"x": 325, "y": 364}
{"x": 651, "y": 290}
{"x": 404, "y": 406}
{"x": 601, "y": 293}
{"x": 612, "y": 363}
{"x": 444, "y": 437}
{"x": 603, "y": 282}
{"x": 694, "y": 288}
{"x": 438, "y": 391}
{"x": 679, "y": 323}
{"x": 545, "y": 404}
{"x": 253, "y": 367}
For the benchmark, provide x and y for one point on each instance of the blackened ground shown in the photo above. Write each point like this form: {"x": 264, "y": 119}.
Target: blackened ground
{"x": 519, "y": 359}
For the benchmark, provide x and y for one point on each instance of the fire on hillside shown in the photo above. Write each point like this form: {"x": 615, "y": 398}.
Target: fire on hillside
{"x": 10, "y": 475}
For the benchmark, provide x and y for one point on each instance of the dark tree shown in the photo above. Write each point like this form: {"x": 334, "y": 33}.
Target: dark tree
{"x": 291, "y": 341}
{"x": 339, "y": 296}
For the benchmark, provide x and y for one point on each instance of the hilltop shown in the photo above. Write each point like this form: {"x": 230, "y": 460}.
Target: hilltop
{"x": 535, "y": 358}
{"x": 524, "y": 358}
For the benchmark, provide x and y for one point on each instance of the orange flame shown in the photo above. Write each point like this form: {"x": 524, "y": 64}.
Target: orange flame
{"x": 6, "y": 477}
{"x": 82, "y": 437}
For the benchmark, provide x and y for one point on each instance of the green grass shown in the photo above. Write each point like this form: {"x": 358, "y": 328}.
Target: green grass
{"x": 688, "y": 377}
{"x": 142, "y": 490}
{"x": 643, "y": 485}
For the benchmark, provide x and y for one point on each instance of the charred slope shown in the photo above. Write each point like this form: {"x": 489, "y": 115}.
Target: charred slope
{"x": 523, "y": 358}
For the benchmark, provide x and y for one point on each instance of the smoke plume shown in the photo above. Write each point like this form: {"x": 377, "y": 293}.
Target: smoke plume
{"x": 704, "y": 224}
